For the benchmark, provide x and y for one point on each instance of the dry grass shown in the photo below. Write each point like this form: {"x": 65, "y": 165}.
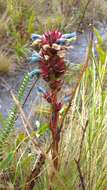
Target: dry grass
{"x": 4, "y": 20}
{"x": 6, "y": 62}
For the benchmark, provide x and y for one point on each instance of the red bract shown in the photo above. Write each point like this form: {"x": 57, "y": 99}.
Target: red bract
{"x": 55, "y": 85}
{"x": 51, "y": 37}
{"x": 58, "y": 66}
{"x": 58, "y": 107}
{"x": 44, "y": 70}
{"x": 48, "y": 97}
{"x": 53, "y": 68}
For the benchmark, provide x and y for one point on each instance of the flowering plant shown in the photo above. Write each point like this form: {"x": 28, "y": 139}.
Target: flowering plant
{"x": 52, "y": 69}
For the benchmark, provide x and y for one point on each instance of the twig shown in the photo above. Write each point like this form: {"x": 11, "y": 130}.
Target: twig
{"x": 30, "y": 182}
{"x": 82, "y": 139}
{"x": 33, "y": 85}
{"x": 25, "y": 121}
{"x": 80, "y": 174}
{"x": 83, "y": 15}
{"x": 77, "y": 161}
{"x": 5, "y": 85}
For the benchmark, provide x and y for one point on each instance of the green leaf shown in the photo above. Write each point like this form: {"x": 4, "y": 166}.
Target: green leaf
{"x": 43, "y": 129}
{"x": 2, "y": 120}
{"x": 102, "y": 54}
{"x": 31, "y": 21}
{"x": 6, "y": 163}
{"x": 73, "y": 39}
{"x": 20, "y": 138}
{"x": 99, "y": 38}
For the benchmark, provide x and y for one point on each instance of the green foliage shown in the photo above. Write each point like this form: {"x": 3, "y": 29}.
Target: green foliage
{"x": 21, "y": 137}
{"x": 2, "y": 120}
{"x": 43, "y": 129}
{"x": 99, "y": 38}
{"x": 6, "y": 163}
{"x": 31, "y": 23}
{"x": 99, "y": 47}
{"x": 10, "y": 122}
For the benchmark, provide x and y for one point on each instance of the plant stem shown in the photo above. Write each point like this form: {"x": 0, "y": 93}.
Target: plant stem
{"x": 80, "y": 174}
{"x": 56, "y": 139}
{"x": 77, "y": 161}
{"x": 83, "y": 15}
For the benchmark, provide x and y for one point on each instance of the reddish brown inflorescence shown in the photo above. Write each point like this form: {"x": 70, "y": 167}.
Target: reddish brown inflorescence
{"x": 52, "y": 63}
{"x": 52, "y": 66}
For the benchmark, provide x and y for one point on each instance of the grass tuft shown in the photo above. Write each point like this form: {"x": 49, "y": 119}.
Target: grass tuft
{"x": 6, "y": 62}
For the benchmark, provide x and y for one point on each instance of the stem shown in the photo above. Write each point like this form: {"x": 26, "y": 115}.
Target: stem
{"x": 33, "y": 85}
{"x": 80, "y": 174}
{"x": 56, "y": 139}
{"x": 55, "y": 145}
{"x": 77, "y": 161}
{"x": 83, "y": 15}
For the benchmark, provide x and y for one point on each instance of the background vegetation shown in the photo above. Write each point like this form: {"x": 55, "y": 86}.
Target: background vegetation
{"x": 83, "y": 146}
{"x": 18, "y": 19}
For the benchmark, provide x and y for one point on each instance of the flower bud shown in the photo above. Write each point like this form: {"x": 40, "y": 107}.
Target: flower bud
{"x": 46, "y": 47}
{"x": 36, "y": 42}
{"x": 61, "y": 41}
{"x": 34, "y": 59}
{"x": 35, "y": 37}
{"x": 69, "y": 35}
{"x": 41, "y": 89}
{"x": 35, "y": 72}
{"x": 56, "y": 46}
